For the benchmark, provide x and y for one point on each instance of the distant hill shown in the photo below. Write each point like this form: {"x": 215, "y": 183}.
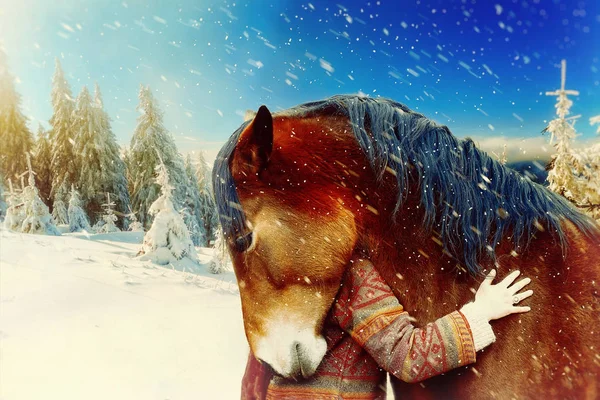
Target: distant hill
{"x": 533, "y": 169}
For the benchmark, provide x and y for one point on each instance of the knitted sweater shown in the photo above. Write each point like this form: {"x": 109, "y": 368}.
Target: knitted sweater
{"x": 368, "y": 333}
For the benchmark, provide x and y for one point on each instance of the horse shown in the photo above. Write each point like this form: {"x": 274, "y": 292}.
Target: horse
{"x": 300, "y": 191}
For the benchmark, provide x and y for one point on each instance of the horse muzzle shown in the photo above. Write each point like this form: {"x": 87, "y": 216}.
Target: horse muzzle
{"x": 291, "y": 354}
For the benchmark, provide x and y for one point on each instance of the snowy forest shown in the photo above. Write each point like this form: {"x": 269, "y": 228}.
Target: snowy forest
{"x": 75, "y": 174}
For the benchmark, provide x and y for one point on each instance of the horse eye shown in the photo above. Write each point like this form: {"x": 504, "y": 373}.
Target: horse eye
{"x": 243, "y": 242}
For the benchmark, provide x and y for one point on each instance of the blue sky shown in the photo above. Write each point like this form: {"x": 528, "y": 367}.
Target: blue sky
{"x": 482, "y": 67}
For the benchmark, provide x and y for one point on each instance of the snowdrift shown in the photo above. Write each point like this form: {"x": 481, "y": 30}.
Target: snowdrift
{"x": 82, "y": 319}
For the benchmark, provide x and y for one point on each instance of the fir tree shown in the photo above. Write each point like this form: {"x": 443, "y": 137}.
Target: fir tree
{"x": 590, "y": 199}
{"x": 151, "y": 141}
{"x": 134, "y": 224}
{"x": 37, "y": 217}
{"x": 88, "y": 151}
{"x": 573, "y": 174}
{"x": 59, "y": 210}
{"x": 125, "y": 157}
{"x": 560, "y": 177}
{"x": 78, "y": 220}
{"x": 41, "y": 161}
{"x": 191, "y": 206}
{"x": 118, "y": 184}
{"x": 62, "y": 138}
{"x": 15, "y": 213}
{"x": 592, "y": 192}
{"x": 86, "y": 145}
{"x": 207, "y": 211}
{"x": 15, "y": 138}
{"x": 109, "y": 217}
{"x": 191, "y": 223}
{"x": 218, "y": 263}
{"x": 202, "y": 171}
{"x": 101, "y": 169}
{"x": 111, "y": 162}
{"x": 168, "y": 238}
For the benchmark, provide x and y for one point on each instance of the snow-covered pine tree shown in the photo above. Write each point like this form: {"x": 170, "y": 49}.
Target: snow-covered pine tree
{"x": 101, "y": 169}
{"x": 109, "y": 217}
{"x": 191, "y": 206}
{"x": 191, "y": 223}
{"x": 15, "y": 137}
{"x": 88, "y": 152}
{"x": 15, "y": 213}
{"x": 62, "y": 138}
{"x": 59, "y": 209}
{"x": 202, "y": 172}
{"x": 111, "y": 162}
{"x": 78, "y": 220}
{"x": 134, "y": 224}
{"x": 126, "y": 160}
{"x": 592, "y": 195}
{"x": 207, "y": 211}
{"x": 168, "y": 239}
{"x": 37, "y": 216}
{"x": 41, "y": 164}
{"x": 218, "y": 263}
{"x": 152, "y": 141}
{"x": 572, "y": 173}
{"x": 561, "y": 178}
{"x": 590, "y": 200}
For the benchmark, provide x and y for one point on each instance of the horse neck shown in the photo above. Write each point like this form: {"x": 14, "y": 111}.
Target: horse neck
{"x": 406, "y": 254}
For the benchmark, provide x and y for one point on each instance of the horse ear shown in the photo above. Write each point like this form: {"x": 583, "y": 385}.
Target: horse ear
{"x": 255, "y": 144}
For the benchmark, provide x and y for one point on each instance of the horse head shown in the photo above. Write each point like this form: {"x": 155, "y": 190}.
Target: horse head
{"x": 289, "y": 239}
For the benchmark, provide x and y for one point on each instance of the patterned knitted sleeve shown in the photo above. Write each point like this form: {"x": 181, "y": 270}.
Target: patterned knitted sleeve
{"x": 367, "y": 309}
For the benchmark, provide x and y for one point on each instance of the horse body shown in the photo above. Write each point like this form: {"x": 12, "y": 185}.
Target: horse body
{"x": 550, "y": 352}
{"x": 316, "y": 184}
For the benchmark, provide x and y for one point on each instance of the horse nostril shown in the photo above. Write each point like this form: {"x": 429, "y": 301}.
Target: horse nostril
{"x": 301, "y": 361}
{"x": 296, "y": 350}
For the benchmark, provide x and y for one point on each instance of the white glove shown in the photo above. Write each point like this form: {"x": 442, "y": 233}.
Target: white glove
{"x": 494, "y": 302}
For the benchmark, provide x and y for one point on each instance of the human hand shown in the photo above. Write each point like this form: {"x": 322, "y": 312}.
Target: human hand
{"x": 494, "y": 301}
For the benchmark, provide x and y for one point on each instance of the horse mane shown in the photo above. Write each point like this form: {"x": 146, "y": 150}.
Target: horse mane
{"x": 231, "y": 216}
{"x": 470, "y": 199}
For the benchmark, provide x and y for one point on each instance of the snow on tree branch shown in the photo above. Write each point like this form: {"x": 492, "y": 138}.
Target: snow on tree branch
{"x": 168, "y": 239}
{"x": 575, "y": 174}
{"x": 37, "y": 216}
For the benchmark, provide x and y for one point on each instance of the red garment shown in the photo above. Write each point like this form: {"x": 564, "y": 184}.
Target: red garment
{"x": 368, "y": 334}
{"x": 256, "y": 379}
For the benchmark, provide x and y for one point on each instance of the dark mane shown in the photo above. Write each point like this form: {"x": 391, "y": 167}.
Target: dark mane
{"x": 229, "y": 208}
{"x": 469, "y": 198}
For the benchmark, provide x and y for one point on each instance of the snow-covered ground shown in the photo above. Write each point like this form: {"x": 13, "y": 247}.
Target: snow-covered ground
{"x": 80, "y": 318}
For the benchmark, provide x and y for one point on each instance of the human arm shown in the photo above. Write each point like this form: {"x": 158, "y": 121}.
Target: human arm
{"x": 367, "y": 309}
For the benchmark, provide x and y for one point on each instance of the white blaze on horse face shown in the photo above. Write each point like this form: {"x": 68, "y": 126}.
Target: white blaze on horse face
{"x": 291, "y": 347}
{"x": 288, "y": 280}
